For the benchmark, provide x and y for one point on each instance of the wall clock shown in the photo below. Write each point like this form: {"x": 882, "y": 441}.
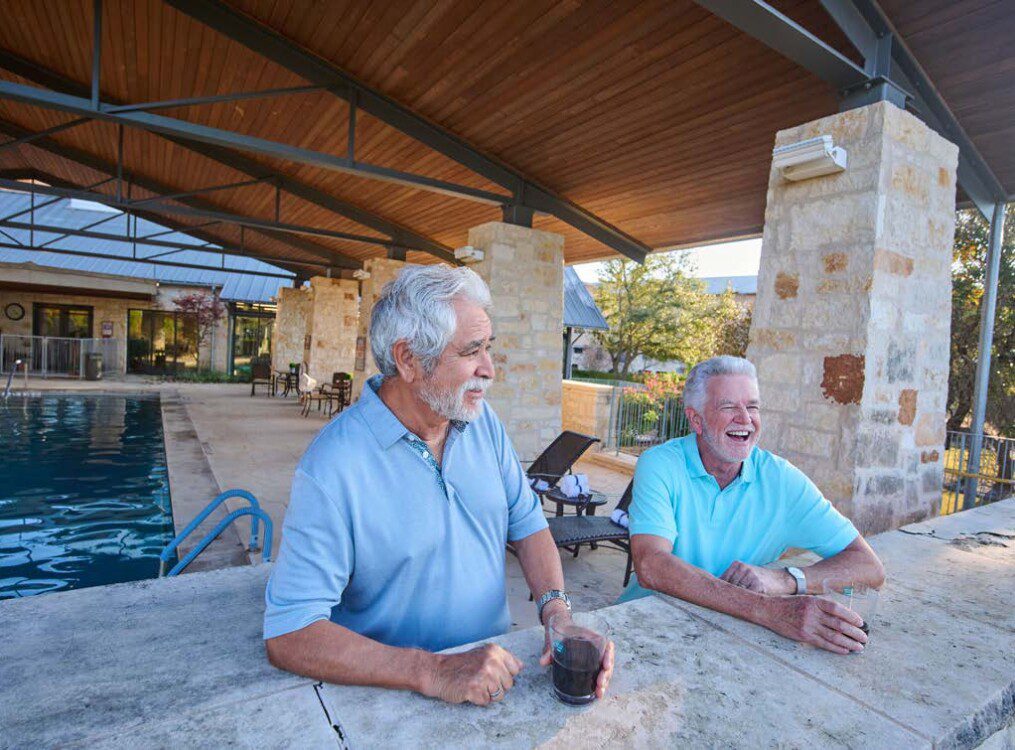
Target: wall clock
{"x": 14, "y": 311}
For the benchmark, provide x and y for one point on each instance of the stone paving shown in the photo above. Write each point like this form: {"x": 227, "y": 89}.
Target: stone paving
{"x": 180, "y": 662}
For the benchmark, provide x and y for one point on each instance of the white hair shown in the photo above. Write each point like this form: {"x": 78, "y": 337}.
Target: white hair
{"x": 696, "y": 387}
{"x": 417, "y": 306}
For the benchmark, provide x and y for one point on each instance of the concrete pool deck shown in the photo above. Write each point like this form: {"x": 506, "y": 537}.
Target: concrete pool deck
{"x": 180, "y": 662}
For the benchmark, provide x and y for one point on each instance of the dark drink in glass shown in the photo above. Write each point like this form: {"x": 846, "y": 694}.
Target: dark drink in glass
{"x": 578, "y": 642}
{"x": 575, "y": 670}
{"x": 858, "y": 597}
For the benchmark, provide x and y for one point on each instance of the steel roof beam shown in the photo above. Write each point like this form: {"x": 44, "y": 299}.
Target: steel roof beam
{"x": 94, "y": 163}
{"x": 213, "y": 99}
{"x": 399, "y": 234}
{"x": 273, "y": 46}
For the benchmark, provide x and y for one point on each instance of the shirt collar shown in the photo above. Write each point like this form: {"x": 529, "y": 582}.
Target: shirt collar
{"x": 695, "y": 468}
{"x": 383, "y": 423}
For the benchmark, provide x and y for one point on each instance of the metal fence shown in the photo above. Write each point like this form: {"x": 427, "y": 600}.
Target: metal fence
{"x": 51, "y": 356}
{"x": 993, "y": 480}
{"x": 638, "y": 423}
{"x": 609, "y": 382}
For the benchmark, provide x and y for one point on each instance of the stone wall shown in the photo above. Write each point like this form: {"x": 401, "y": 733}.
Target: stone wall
{"x": 525, "y": 271}
{"x": 851, "y": 325}
{"x": 585, "y": 408}
{"x": 290, "y": 330}
{"x": 333, "y": 326}
{"x": 382, "y": 270}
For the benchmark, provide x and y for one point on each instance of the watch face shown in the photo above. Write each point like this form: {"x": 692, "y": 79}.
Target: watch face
{"x": 14, "y": 311}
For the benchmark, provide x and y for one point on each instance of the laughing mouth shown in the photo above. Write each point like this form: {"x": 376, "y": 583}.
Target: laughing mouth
{"x": 740, "y": 436}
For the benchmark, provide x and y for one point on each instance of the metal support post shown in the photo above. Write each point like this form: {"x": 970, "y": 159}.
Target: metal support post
{"x": 988, "y": 307}
{"x": 96, "y": 51}
{"x": 518, "y": 215}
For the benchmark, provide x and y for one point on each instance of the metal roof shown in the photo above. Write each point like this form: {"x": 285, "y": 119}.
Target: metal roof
{"x": 580, "y": 310}
{"x": 235, "y": 285}
{"x": 739, "y": 284}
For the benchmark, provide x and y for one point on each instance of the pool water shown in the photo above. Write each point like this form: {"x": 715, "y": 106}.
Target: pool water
{"x": 84, "y": 492}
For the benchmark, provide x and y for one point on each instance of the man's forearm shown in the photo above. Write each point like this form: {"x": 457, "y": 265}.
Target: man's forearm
{"x": 326, "y": 651}
{"x": 540, "y": 562}
{"x": 668, "y": 574}
{"x": 857, "y": 562}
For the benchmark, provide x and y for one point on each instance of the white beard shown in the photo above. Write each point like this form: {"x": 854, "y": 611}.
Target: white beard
{"x": 450, "y": 403}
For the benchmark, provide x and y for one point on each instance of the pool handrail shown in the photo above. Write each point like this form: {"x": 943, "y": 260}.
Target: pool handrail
{"x": 255, "y": 513}
{"x": 208, "y": 510}
{"x": 10, "y": 377}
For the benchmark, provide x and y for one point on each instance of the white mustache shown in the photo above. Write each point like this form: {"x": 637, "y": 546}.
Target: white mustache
{"x": 478, "y": 384}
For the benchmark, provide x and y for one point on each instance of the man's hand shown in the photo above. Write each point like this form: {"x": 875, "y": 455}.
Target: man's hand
{"x": 772, "y": 581}
{"x": 482, "y": 675}
{"x": 818, "y": 622}
{"x": 605, "y": 673}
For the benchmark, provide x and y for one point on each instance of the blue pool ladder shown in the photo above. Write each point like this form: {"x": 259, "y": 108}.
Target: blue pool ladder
{"x": 254, "y": 511}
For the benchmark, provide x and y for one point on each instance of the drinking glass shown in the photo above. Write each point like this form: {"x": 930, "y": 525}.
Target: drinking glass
{"x": 578, "y": 641}
{"x": 858, "y": 597}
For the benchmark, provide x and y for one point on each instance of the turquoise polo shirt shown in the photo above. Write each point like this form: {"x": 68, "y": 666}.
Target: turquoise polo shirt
{"x": 770, "y": 506}
{"x": 380, "y": 539}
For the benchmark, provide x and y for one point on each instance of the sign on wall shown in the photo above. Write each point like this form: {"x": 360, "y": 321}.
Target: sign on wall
{"x": 361, "y": 354}
{"x": 107, "y": 329}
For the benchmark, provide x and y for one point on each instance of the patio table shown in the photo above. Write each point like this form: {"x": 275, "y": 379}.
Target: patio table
{"x": 288, "y": 380}
{"x": 586, "y": 504}
{"x": 188, "y": 669}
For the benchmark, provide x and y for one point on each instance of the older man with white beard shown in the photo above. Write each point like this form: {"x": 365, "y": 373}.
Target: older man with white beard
{"x": 394, "y": 539}
{"x": 711, "y": 509}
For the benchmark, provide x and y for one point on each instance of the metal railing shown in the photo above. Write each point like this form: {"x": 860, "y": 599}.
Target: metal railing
{"x": 609, "y": 382}
{"x": 638, "y": 423}
{"x": 965, "y": 485}
{"x": 48, "y": 356}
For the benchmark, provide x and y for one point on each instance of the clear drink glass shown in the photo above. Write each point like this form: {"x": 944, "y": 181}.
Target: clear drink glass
{"x": 578, "y": 642}
{"x": 858, "y": 597}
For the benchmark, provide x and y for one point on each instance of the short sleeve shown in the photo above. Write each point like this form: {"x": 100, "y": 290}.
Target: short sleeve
{"x": 315, "y": 560}
{"x": 652, "y": 508}
{"x": 813, "y": 523}
{"x": 525, "y": 512}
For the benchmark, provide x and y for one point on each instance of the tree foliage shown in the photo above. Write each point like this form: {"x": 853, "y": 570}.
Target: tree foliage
{"x": 657, "y": 310}
{"x": 968, "y": 273}
{"x": 206, "y": 310}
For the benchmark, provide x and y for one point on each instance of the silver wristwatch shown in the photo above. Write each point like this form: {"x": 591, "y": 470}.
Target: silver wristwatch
{"x": 801, "y": 580}
{"x": 547, "y": 598}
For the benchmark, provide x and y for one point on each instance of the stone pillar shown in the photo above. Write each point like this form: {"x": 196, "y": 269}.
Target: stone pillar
{"x": 851, "y": 325}
{"x": 290, "y": 330}
{"x": 332, "y": 326}
{"x": 524, "y": 269}
{"x": 382, "y": 270}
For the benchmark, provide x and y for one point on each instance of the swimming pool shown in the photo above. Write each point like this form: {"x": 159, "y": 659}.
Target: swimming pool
{"x": 84, "y": 492}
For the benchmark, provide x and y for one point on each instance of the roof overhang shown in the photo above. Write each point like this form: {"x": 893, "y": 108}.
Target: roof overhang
{"x": 43, "y": 279}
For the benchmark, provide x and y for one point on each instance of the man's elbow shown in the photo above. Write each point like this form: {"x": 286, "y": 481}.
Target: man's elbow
{"x": 646, "y": 568}
{"x": 279, "y": 655}
{"x": 877, "y": 572}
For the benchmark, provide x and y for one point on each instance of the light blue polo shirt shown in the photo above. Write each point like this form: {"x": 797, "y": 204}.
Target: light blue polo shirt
{"x": 770, "y": 506}
{"x": 382, "y": 541}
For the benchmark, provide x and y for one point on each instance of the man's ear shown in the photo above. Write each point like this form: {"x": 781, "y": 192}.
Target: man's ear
{"x": 694, "y": 419}
{"x": 406, "y": 362}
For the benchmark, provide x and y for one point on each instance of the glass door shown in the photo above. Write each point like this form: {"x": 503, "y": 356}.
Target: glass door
{"x": 251, "y": 341}
{"x": 160, "y": 342}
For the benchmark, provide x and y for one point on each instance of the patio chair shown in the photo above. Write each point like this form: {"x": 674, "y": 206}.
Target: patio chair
{"x": 338, "y": 392}
{"x": 261, "y": 374}
{"x": 558, "y": 458}
{"x": 571, "y": 532}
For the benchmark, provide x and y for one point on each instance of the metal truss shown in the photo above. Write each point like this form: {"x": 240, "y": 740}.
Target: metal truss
{"x": 890, "y": 73}
{"x": 400, "y": 236}
{"x": 523, "y": 192}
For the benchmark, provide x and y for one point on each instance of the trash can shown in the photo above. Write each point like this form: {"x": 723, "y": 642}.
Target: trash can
{"x": 93, "y": 366}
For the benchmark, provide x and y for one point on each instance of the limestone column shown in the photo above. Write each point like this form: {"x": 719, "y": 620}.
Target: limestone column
{"x": 290, "y": 329}
{"x": 381, "y": 270}
{"x": 332, "y": 327}
{"x": 851, "y": 324}
{"x": 524, "y": 269}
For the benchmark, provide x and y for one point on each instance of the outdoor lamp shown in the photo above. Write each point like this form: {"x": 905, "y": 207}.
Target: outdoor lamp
{"x": 814, "y": 157}
{"x": 469, "y": 254}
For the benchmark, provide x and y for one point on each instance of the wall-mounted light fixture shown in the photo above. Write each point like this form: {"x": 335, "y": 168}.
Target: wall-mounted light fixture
{"x": 360, "y": 275}
{"x": 815, "y": 157}
{"x": 469, "y": 254}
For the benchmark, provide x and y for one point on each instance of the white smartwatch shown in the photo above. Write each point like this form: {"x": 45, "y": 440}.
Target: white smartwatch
{"x": 801, "y": 580}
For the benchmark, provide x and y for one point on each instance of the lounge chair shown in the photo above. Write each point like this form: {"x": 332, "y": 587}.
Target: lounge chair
{"x": 571, "y": 532}
{"x": 558, "y": 458}
{"x": 260, "y": 374}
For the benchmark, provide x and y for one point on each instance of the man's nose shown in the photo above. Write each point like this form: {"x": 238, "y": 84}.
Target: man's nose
{"x": 485, "y": 369}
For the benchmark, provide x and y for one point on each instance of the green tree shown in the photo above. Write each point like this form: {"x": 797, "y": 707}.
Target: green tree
{"x": 657, "y": 310}
{"x": 968, "y": 271}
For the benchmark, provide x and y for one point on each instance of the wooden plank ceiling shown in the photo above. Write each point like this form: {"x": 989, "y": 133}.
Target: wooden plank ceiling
{"x": 652, "y": 114}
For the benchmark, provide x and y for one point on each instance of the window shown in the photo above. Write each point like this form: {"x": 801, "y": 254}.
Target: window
{"x": 160, "y": 342}
{"x": 64, "y": 321}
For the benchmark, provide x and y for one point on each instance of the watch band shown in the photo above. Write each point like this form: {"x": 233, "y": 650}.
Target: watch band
{"x": 801, "y": 579}
{"x": 547, "y": 598}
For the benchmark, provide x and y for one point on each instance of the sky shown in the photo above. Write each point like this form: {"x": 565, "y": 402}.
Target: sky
{"x": 727, "y": 259}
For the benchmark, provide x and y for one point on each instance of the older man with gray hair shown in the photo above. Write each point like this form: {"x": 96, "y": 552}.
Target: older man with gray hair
{"x": 394, "y": 539}
{"x": 711, "y": 509}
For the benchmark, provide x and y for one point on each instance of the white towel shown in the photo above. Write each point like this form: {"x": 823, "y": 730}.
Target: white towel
{"x": 539, "y": 485}
{"x": 307, "y": 383}
{"x": 620, "y": 518}
{"x": 573, "y": 485}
